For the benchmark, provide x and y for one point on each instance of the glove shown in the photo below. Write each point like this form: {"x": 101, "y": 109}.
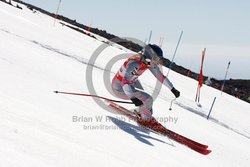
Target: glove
{"x": 136, "y": 101}
{"x": 175, "y": 92}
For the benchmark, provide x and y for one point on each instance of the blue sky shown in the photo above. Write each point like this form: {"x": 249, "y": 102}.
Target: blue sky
{"x": 219, "y": 25}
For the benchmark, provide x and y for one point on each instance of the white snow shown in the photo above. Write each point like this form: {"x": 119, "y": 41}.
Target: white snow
{"x": 37, "y": 126}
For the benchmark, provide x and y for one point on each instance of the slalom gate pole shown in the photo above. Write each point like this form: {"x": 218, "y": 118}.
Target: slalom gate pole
{"x": 211, "y": 108}
{"x": 57, "y": 10}
{"x": 89, "y": 28}
{"x": 170, "y": 66}
{"x": 150, "y": 35}
{"x": 222, "y": 87}
{"x": 161, "y": 42}
{"x": 89, "y": 95}
{"x": 196, "y": 96}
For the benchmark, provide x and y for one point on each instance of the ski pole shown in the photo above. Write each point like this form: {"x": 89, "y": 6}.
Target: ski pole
{"x": 170, "y": 108}
{"x": 89, "y": 95}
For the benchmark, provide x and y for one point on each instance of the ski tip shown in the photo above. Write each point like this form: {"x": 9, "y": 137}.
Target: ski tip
{"x": 206, "y": 152}
{"x": 56, "y": 91}
{"x": 205, "y": 146}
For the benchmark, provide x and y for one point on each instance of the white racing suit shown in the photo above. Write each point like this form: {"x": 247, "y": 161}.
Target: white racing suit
{"x": 125, "y": 84}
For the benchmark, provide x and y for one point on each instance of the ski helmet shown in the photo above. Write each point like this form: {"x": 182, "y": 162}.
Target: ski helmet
{"x": 152, "y": 52}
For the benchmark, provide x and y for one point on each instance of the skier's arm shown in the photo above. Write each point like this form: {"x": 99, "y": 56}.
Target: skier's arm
{"x": 158, "y": 74}
{"x": 164, "y": 80}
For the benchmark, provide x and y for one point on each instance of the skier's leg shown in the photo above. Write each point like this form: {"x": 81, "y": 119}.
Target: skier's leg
{"x": 138, "y": 85}
{"x": 118, "y": 90}
{"x": 145, "y": 110}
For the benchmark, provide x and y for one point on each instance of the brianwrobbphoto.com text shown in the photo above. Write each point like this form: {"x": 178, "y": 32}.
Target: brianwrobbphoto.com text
{"x": 100, "y": 122}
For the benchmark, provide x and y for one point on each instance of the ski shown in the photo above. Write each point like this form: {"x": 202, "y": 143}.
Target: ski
{"x": 196, "y": 146}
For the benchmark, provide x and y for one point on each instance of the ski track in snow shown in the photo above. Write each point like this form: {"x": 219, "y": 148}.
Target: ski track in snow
{"x": 55, "y": 50}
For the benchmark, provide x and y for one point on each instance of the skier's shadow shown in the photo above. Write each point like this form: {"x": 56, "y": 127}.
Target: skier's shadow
{"x": 139, "y": 133}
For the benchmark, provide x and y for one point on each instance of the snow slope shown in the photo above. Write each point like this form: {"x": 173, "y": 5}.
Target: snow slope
{"x": 37, "y": 127}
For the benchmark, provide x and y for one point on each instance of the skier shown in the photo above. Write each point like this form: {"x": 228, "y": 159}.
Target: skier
{"x": 125, "y": 83}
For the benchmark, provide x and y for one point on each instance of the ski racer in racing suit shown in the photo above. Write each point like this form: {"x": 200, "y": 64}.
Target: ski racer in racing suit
{"x": 125, "y": 84}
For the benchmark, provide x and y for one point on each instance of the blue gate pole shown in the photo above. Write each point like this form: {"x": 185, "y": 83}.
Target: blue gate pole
{"x": 211, "y": 108}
